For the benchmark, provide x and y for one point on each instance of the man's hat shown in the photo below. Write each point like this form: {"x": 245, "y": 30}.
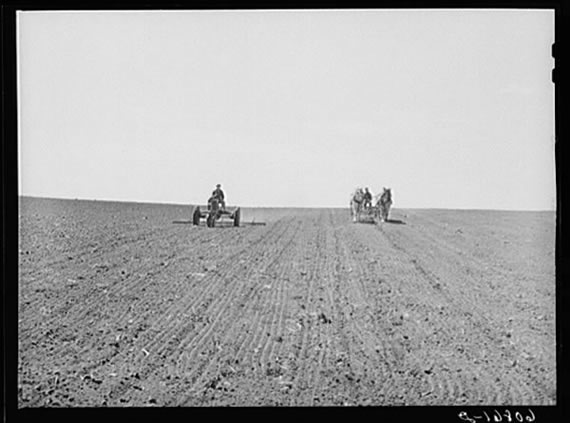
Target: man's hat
{"x": 218, "y": 185}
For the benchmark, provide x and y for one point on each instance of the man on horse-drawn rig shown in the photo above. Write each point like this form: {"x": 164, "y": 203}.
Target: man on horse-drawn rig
{"x": 367, "y": 199}
{"x": 218, "y": 194}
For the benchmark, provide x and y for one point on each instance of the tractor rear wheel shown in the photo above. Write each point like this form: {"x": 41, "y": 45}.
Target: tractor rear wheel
{"x": 196, "y": 216}
{"x": 237, "y": 217}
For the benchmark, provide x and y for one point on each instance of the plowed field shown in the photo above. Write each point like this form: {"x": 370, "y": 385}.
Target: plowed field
{"x": 119, "y": 306}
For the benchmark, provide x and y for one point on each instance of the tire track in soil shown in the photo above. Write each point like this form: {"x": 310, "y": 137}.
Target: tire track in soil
{"x": 467, "y": 264}
{"x": 84, "y": 303}
{"x": 325, "y": 334}
{"x": 274, "y": 307}
{"x": 201, "y": 300}
{"x": 271, "y": 307}
{"x": 451, "y": 390}
{"x": 328, "y": 330}
{"x": 114, "y": 294}
{"x": 406, "y": 366}
{"x": 99, "y": 357}
{"x": 96, "y": 249}
{"x": 263, "y": 272}
{"x": 520, "y": 390}
{"x": 178, "y": 333}
{"x": 299, "y": 383}
{"x": 498, "y": 293}
{"x": 316, "y": 347}
{"x": 188, "y": 253}
{"x": 512, "y": 385}
{"x": 311, "y": 352}
{"x": 53, "y": 336}
{"x": 503, "y": 230}
{"x": 388, "y": 366}
{"x": 250, "y": 358}
{"x": 489, "y": 272}
{"x": 116, "y": 354}
{"x": 246, "y": 275}
{"x": 247, "y": 302}
{"x": 277, "y": 325}
{"x": 254, "y": 342}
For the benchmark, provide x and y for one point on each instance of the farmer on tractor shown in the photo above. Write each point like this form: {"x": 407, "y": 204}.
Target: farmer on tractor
{"x": 218, "y": 194}
{"x": 216, "y": 210}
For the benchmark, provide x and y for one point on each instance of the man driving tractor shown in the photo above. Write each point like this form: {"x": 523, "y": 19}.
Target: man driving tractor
{"x": 218, "y": 194}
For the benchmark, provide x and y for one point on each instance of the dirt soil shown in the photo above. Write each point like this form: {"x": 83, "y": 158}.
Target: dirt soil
{"x": 119, "y": 306}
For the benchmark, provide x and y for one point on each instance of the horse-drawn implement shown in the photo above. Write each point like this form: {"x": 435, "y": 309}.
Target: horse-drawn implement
{"x": 213, "y": 213}
{"x": 363, "y": 212}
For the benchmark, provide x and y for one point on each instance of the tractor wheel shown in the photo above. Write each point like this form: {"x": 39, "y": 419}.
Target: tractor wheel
{"x": 237, "y": 217}
{"x": 196, "y": 216}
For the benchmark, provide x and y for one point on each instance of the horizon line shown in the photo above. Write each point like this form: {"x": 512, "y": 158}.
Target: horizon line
{"x": 279, "y": 207}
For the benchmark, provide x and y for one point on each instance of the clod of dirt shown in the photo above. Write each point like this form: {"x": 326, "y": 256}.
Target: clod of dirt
{"x": 324, "y": 319}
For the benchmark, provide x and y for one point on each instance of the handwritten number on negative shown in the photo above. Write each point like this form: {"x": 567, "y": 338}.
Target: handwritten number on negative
{"x": 497, "y": 417}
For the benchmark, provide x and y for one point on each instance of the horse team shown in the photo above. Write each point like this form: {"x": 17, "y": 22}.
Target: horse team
{"x": 359, "y": 205}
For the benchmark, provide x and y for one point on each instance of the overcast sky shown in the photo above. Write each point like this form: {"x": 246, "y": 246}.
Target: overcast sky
{"x": 451, "y": 109}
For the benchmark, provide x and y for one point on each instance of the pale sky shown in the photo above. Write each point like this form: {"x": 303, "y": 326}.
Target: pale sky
{"x": 449, "y": 108}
